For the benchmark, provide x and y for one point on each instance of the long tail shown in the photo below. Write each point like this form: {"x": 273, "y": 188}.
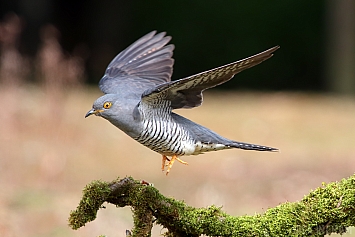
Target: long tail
{"x": 248, "y": 146}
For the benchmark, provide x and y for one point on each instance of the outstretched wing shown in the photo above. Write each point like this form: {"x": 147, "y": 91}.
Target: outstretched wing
{"x": 187, "y": 92}
{"x": 144, "y": 64}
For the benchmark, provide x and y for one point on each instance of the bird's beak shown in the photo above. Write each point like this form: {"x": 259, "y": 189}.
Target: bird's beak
{"x": 93, "y": 111}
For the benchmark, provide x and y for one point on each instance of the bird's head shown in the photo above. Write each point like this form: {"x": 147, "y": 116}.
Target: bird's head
{"x": 118, "y": 111}
{"x": 106, "y": 106}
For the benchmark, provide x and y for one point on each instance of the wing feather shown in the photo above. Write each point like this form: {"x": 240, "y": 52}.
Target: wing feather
{"x": 187, "y": 92}
{"x": 144, "y": 64}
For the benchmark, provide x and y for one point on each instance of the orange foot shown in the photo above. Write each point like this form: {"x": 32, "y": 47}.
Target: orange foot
{"x": 171, "y": 162}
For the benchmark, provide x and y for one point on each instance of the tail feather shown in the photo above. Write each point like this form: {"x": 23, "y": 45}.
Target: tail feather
{"x": 248, "y": 146}
{"x": 211, "y": 141}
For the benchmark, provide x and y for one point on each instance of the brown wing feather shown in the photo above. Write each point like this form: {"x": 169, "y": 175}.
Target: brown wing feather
{"x": 187, "y": 92}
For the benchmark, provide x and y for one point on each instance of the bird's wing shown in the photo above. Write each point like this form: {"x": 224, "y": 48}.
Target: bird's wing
{"x": 144, "y": 64}
{"x": 187, "y": 92}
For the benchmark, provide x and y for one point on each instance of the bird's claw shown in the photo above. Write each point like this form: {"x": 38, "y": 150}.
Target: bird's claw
{"x": 170, "y": 163}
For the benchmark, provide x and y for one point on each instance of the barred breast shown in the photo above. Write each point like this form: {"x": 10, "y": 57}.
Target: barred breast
{"x": 161, "y": 133}
{"x": 166, "y": 137}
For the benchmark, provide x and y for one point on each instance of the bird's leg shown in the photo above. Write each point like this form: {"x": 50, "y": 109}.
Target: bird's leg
{"x": 181, "y": 161}
{"x": 171, "y": 162}
{"x": 164, "y": 159}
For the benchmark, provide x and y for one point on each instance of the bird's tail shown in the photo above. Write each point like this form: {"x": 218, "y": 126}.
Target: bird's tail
{"x": 248, "y": 146}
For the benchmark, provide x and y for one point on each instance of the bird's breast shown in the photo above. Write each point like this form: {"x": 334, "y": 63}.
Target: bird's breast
{"x": 166, "y": 137}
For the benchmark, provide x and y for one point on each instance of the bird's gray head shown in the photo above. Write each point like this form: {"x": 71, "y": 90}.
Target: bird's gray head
{"x": 106, "y": 106}
{"x": 119, "y": 111}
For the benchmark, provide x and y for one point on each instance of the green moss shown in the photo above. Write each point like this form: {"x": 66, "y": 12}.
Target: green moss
{"x": 328, "y": 209}
{"x": 94, "y": 195}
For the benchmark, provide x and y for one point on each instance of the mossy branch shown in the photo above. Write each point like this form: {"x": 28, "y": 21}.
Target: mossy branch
{"x": 328, "y": 209}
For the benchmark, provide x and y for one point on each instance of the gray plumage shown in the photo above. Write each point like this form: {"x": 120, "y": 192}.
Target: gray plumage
{"x": 139, "y": 98}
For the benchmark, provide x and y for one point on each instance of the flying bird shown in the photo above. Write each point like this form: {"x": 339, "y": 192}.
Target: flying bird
{"x": 140, "y": 98}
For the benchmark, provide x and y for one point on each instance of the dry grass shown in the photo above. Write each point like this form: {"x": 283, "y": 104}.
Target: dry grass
{"x": 49, "y": 152}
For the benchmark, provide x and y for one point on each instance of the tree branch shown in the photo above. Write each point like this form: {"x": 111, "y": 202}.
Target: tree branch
{"x": 328, "y": 209}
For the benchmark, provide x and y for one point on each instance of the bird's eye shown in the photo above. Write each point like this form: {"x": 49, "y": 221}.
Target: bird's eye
{"x": 107, "y": 105}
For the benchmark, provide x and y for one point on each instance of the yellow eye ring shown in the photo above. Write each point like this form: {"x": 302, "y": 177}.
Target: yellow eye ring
{"x": 107, "y": 105}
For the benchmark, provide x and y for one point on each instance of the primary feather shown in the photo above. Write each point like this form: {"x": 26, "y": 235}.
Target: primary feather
{"x": 144, "y": 64}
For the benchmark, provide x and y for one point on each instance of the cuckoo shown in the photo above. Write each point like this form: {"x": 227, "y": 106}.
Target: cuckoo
{"x": 139, "y": 98}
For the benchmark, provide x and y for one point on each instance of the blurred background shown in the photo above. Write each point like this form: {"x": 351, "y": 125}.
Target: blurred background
{"x": 53, "y": 53}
